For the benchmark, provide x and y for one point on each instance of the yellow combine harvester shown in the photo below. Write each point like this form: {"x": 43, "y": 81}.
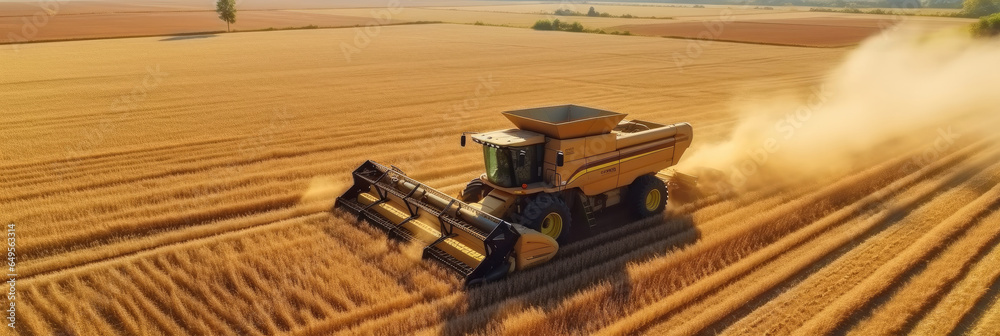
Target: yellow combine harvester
{"x": 560, "y": 167}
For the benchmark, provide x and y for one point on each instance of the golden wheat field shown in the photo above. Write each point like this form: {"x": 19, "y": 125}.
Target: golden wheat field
{"x": 169, "y": 186}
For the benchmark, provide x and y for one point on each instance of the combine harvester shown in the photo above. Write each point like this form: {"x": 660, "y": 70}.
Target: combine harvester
{"x": 560, "y": 167}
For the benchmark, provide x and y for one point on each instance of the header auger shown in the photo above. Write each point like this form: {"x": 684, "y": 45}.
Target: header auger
{"x": 558, "y": 170}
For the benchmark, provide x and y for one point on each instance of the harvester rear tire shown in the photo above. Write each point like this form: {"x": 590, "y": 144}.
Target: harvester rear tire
{"x": 647, "y": 196}
{"x": 475, "y": 191}
{"x": 548, "y": 214}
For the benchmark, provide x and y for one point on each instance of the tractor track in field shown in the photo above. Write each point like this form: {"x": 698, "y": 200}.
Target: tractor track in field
{"x": 175, "y": 273}
{"x": 776, "y": 250}
{"x": 984, "y": 316}
{"x": 927, "y": 286}
{"x": 928, "y": 245}
{"x": 75, "y": 240}
{"x": 965, "y": 301}
{"x": 164, "y": 242}
{"x": 764, "y": 304}
{"x": 201, "y": 221}
{"x": 789, "y": 276}
{"x": 729, "y": 294}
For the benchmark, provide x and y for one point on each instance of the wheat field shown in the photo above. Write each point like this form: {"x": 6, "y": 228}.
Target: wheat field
{"x": 165, "y": 187}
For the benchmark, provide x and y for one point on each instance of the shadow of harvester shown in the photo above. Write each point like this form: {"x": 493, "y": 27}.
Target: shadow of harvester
{"x": 599, "y": 257}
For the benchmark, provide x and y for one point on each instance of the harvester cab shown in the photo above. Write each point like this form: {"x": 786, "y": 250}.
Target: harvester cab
{"x": 557, "y": 170}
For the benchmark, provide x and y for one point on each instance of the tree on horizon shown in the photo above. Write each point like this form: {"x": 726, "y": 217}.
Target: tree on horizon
{"x": 227, "y": 11}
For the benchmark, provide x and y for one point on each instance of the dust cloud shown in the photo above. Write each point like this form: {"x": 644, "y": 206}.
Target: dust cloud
{"x": 910, "y": 88}
{"x": 325, "y": 189}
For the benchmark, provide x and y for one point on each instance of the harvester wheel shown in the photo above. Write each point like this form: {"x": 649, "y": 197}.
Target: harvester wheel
{"x": 647, "y": 196}
{"x": 475, "y": 191}
{"x": 548, "y": 214}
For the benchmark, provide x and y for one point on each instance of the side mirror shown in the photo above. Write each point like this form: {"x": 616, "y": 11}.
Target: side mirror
{"x": 560, "y": 159}
{"x": 463, "y": 140}
{"x": 520, "y": 158}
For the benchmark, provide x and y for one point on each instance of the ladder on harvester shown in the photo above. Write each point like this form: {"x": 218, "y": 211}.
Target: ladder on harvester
{"x": 588, "y": 209}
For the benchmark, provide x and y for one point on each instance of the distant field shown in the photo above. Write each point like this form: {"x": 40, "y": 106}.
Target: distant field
{"x": 651, "y": 9}
{"x": 493, "y": 18}
{"x": 679, "y": 11}
{"x": 819, "y": 32}
{"x": 22, "y": 8}
{"x": 165, "y": 186}
{"x": 116, "y": 18}
{"x": 162, "y": 23}
{"x": 781, "y": 25}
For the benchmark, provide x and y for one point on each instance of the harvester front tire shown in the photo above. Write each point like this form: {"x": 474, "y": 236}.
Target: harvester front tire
{"x": 647, "y": 196}
{"x": 475, "y": 191}
{"x": 548, "y": 214}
